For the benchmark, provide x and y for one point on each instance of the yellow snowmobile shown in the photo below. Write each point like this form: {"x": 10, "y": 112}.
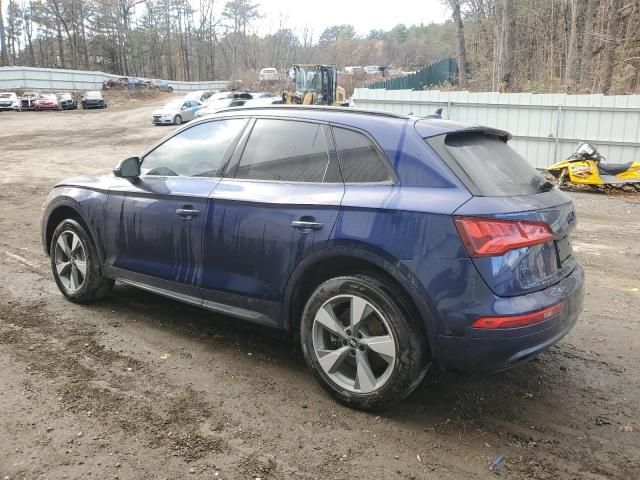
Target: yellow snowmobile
{"x": 586, "y": 167}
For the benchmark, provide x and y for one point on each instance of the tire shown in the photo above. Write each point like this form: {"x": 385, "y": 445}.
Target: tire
{"x": 177, "y": 120}
{"x": 85, "y": 288}
{"x": 394, "y": 376}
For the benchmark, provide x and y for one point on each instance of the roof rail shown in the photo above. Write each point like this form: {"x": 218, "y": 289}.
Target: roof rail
{"x": 323, "y": 108}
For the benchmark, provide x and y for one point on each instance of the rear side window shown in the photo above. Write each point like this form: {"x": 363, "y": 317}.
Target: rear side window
{"x": 494, "y": 168}
{"x": 285, "y": 151}
{"x": 360, "y": 160}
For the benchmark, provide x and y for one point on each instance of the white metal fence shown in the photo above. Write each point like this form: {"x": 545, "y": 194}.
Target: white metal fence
{"x": 545, "y": 127}
{"x": 30, "y": 78}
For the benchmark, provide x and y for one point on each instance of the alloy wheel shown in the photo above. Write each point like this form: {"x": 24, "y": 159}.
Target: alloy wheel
{"x": 71, "y": 261}
{"x": 353, "y": 343}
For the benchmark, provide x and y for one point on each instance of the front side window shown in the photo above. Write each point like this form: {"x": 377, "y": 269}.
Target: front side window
{"x": 286, "y": 151}
{"x": 196, "y": 152}
{"x": 360, "y": 160}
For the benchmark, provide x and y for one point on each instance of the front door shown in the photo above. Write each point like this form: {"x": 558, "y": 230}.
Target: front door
{"x": 156, "y": 223}
{"x": 277, "y": 204}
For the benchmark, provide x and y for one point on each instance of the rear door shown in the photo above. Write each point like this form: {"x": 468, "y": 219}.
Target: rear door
{"x": 278, "y": 203}
{"x": 156, "y": 223}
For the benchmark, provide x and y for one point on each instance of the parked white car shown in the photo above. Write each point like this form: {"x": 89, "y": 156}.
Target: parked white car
{"x": 263, "y": 101}
{"x": 224, "y": 100}
{"x": 372, "y": 69}
{"x": 268, "y": 75}
{"x": 352, "y": 70}
{"x": 213, "y": 107}
{"x": 10, "y": 101}
{"x": 176, "y": 112}
{"x": 200, "y": 96}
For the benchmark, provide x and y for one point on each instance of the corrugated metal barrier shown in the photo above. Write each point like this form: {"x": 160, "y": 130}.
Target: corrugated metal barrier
{"x": 545, "y": 127}
{"x": 444, "y": 70}
{"x": 51, "y": 79}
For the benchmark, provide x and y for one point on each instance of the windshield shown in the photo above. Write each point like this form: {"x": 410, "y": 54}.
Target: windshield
{"x": 48, "y": 97}
{"x": 5, "y": 95}
{"x": 93, "y": 95}
{"x": 491, "y": 166}
{"x": 308, "y": 79}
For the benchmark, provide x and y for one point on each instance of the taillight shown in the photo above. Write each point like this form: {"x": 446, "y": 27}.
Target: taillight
{"x": 516, "y": 321}
{"x": 487, "y": 237}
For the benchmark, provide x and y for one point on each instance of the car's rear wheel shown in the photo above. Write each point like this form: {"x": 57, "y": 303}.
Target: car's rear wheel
{"x": 177, "y": 120}
{"x": 76, "y": 265}
{"x": 360, "y": 342}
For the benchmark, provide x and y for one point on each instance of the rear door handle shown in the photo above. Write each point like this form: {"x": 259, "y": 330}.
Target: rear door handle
{"x": 304, "y": 225}
{"x": 187, "y": 212}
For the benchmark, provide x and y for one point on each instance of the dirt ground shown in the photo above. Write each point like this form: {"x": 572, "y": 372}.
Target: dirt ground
{"x": 140, "y": 387}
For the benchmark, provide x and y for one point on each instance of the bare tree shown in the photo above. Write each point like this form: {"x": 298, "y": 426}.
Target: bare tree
{"x": 610, "y": 42}
{"x": 460, "y": 44}
{"x": 505, "y": 48}
{"x": 4, "y": 60}
{"x": 574, "y": 55}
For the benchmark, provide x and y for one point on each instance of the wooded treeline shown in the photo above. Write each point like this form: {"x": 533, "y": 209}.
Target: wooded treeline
{"x": 511, "y": 45}
{"x": 194, "y": 40}
{"x": 578, "y": 46}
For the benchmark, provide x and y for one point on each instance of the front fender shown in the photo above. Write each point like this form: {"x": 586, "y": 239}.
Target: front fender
{"x": 88, "y": 205}
{"x": 392, "y": 267}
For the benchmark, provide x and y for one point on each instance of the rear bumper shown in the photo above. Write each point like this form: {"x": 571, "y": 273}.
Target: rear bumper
{"x": 485, "y": 350}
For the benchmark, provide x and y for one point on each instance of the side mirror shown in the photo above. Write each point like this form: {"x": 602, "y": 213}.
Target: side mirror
{"x": 128, "y": 168}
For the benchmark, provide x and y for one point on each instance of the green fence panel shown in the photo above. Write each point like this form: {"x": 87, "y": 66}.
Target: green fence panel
{"x": 443, "y": 71}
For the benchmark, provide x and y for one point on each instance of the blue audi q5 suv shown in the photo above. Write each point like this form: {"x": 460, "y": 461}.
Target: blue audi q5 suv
{"x": 385, "y": 243}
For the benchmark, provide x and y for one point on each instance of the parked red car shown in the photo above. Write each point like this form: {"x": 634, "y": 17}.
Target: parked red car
{"x": 47, "y": 101}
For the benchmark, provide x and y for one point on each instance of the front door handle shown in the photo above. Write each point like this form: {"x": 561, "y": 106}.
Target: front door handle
{"x": 304, "y": 225}
{"x": 187, "y": 212}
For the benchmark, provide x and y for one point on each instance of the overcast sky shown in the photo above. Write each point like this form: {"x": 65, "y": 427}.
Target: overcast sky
{"x": 364, "y": 15}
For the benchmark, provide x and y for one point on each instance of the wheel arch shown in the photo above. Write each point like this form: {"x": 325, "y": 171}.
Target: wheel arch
{"x": 59, "y": 211}
{"x": 336, "y": 261}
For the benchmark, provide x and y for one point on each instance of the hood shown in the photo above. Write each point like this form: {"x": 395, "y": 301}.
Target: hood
{"x": 100, "y": 181}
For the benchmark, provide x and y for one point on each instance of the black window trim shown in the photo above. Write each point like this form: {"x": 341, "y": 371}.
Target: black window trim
{"x": 393, "y": 176}
{"x": 234, "y": 163}
{"x": 225, "y": 161}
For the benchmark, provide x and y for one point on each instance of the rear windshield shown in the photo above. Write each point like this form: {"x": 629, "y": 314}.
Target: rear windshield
{"x": 492, "y": 167}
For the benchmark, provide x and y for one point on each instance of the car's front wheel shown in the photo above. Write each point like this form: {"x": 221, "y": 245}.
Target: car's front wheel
{"x": 177, "y": 120}
{"x": 359, "y": 341}
{"x": 76, "y": 265}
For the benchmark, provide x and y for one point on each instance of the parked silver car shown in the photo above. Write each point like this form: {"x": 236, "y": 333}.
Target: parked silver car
{"x": 176, "y": 112}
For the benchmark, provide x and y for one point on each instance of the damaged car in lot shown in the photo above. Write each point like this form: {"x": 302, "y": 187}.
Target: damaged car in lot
{"x": 28, "y": 100}
{"x": 46, "y": 101}
{"x": 67, "y": 101}
{"x": 384, "y": 243}
{"x": 93, "y": 99}
{"x": 10, "y": 101}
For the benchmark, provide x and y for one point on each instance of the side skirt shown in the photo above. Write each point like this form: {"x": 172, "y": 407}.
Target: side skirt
{"x": 187, "y": 294}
